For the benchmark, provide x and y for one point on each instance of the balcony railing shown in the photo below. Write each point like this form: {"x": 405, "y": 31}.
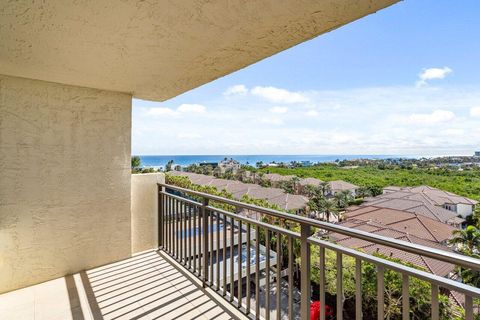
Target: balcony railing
{"x": 252, "y": 263}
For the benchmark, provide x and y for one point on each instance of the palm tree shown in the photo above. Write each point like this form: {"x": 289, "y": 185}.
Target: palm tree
{"x": 343, "y": 198}
{"x": 329, "y": 208}
{"x": 295, "y": 180}
{"x": 324, "y": 187}
{"x": 136, "y": 162}
{"x": 310, "y": 191}
{"x": 320, "y": 205}
{"x": 468, "y": 240}
{"x": 217, "y": 172}
{"x": 168, "y": 166}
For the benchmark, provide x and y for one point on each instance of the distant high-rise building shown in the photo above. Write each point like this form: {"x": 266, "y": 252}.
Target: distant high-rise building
{"x": 477, "y": 153}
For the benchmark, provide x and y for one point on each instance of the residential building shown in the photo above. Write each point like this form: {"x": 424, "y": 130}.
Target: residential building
{"x": 340, "y": 185}
{"x": 462, "y": 206}
{"x": 277, "y": 196}
{"x": 416, "y": 203}
{"x": 229, "y": 165}
{"x": 276, "y": 179}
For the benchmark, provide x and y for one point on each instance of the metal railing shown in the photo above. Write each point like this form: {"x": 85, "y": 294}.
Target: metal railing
{"x": 265, "y": 269}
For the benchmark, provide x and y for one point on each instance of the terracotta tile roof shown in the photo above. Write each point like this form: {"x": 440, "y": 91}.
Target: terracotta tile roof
{"x": 404, "y": 221}
{"x": 339, "y": 185}
{"x": 275, "y": 177}
{"x": 310, "y": 181}
{"x": 435, "y": 196}
{"x": 431, "y": 265}
{"x": 415, "y": 203}
{"x": 238, "y": 189}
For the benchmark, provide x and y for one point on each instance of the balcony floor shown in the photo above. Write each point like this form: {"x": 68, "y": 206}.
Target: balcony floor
{"x": 146, "y": 286}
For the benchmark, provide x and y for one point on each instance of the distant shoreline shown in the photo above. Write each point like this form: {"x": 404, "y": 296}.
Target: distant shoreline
{"x": 185, "y": 160}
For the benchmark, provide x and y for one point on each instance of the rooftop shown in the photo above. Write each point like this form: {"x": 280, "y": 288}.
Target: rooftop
{"x": 432, "y": 195}
{"x": 276, "y": 196}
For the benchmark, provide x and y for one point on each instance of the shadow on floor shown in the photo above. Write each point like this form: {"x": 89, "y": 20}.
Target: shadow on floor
{"x": 147, "y": 286}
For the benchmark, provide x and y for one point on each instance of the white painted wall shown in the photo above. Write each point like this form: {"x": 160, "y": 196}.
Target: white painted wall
{"x": 464, "y": 209}
{"x": 145, "y": 211}
{"x": 64, "y": 180}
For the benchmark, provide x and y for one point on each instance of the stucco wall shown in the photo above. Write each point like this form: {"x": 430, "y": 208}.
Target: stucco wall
{"x": 145, "y": 211}
{"x": 64, "y": 180}
{"x": 464, "y": 209}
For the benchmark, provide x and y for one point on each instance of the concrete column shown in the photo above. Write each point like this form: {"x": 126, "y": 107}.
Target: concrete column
{"x": 64, "y": 180}
{"x": 145, "y": 211}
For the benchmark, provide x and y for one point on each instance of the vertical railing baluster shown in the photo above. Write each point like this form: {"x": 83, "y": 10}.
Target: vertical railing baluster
{"x": 279, "y": 269}
{"x": 185, "y": 239}
{"x": 247, "y": 307}
{"x": 177, "y": 251}
{"x": 322, "y": 282}
{"x": 239, "y": 264}
{"x": 210, "y": 239}
{"x": 190, "y": 237}
{"x": 194, "y": 238}
{"x": 358, "y": 289}
{"x": 200, "y": 241}
{"x": 468, "y": 307}
{"x": 405, "y": 297}
{"x": 290, "y": 277}
{"x": 339, "y": 286}
{"x": 224, "y": 251}
{"x": 380, "y": 292}
{"x": 205, "y": 241}
{"x": 257, "y": 272}
{"x": 305, "y": 233}
{"x": 180, "y": 236}
{"x": 160, "y": 216}
{"x": 435, "y": 306}
{"x": 232, "y": 271}
{"x": 267, "y": 271}
{"x": 169, "y": 211}
{"x": 217, "y": 246}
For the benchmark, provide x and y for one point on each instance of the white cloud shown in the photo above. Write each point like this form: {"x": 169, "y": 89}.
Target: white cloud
{"x": 437, "y": 116}
{"x": 279, "y": 110}
{"x": 278, "y": 95}
{"x": 161, "y": 112}
{"x": 475, "y": 112}
{"x": 191, "y": 108}
{"x": 239, "y": 89}
{"x": 186, "y": 135}
{"x": 431, "y": 74}
{"x": 274, "y": 121}
{"x": 380, "y": 120}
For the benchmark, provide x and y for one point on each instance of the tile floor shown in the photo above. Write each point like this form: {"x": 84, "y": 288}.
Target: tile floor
{"x": 146, "y": 286}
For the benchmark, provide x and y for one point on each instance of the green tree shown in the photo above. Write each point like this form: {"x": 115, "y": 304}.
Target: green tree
{"x": 168, "y": 166}
{"x": 324, "y": 188}
{"x": 321, "y": 205}
{"x": 467, "y": 240}
{"x": 420, "y": 291}
{"x": 343, "y": 198}
{"x": 136, "y": 163}
{"x": 217, "y": 172}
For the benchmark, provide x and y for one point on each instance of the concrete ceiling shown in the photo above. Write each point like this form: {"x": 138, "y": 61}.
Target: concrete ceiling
{"x": 158, "y": 49}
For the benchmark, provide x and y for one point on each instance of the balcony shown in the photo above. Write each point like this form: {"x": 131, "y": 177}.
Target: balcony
{"x": 149, "y": 285}
{"x": 214, "y": 263}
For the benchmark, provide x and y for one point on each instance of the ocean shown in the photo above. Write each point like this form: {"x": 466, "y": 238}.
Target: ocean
{"x": 183, "y": 160}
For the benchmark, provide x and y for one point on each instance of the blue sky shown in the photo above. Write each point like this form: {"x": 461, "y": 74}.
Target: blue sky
{"x": 403, "y": 81}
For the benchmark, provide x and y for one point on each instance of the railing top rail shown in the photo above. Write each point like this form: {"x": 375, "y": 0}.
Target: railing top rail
{"x": 419, "y": 274}
{"x": 442, "y": 255}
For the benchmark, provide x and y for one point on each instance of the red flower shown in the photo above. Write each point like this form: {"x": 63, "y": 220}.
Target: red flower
{"x": 315, "y": 310}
